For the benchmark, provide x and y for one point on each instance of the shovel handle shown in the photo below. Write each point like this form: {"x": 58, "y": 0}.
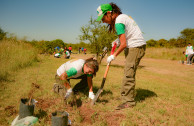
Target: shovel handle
{"x": 112, "y": 52}
{"x": 104, "y": 78}
{"x": 113, "y": 48}
{"x": 106, "y": 71}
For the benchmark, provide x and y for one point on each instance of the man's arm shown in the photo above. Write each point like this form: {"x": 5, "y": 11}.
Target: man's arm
{"x": 64, "y": 78}
{"x": 90, "y": 85}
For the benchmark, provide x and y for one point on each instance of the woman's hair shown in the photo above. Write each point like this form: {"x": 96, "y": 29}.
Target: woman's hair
{"x": 115, "y": 10}
{"x": 92, "y": 63}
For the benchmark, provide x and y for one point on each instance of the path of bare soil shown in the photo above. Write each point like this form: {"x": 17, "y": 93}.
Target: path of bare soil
{"x": 159, "y": 66}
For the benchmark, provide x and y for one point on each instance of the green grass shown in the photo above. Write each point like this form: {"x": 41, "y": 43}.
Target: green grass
{"x": 164, "y": 94}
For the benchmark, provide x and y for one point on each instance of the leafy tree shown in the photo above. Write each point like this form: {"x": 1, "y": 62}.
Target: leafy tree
{"x": 57, "y": 42}
{"x": 162, "y": 42}
{"x": 151, "y": 43}
{"x": 181, "y": 42}
{"x": 188, "y": 35}
{"x": 97, "y": 35}
{"x": 83, "y": 44}
{"x": 172, "y": 42}
{"x": 47, "y": 46}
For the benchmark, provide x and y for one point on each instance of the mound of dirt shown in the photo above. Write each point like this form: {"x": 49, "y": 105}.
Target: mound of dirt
{"x": 46, "y": 103}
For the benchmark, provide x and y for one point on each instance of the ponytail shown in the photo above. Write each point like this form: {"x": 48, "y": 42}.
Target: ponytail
{"x": 115, "y": 10}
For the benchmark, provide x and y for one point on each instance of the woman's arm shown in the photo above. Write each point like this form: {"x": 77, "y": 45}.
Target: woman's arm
{"x": 122, "y": 46}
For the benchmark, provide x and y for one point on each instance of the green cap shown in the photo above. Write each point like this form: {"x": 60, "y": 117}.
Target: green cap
{"x": 102, "y": 9}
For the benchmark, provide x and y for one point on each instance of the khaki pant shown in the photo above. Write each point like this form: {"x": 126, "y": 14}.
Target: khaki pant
{"x": 190, "y": 58}
{"x": 133, "y": 57}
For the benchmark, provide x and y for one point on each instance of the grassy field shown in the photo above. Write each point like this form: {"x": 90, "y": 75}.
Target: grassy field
{"x": 164, "y": 94}
{"x": 15, "y": 55}
{"x": 166, "y": 53}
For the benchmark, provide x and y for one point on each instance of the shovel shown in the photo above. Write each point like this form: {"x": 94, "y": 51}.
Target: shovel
{"x": 104, "y": 78}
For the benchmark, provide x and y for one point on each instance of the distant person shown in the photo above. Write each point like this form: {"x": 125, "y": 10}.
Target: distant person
{"x": 189, "y": 53}
{"x": 67, "y": 54}
{"x": 70, "y": 49}
{"x": 61, "y": 51}
{"x": 82, "y": 49}
{"x": 79, "y": 50}
{"x": 76, "y": 69}
{"x": 57, "y": 55}
{"x": 131, "y": 42}
{"x": 185, "y": 61}
{"x": 85, "y": 50}
{"x": 57, "y": 48}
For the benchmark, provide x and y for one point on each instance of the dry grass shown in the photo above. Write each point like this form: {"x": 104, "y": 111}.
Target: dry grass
{"x": 165, "y": 53}
{"x": 164, "y": 94}
{"x": 15, "y": 55}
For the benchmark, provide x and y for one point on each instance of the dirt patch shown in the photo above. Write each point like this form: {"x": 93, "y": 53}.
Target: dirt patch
{"x": 45, "y": 107}
{"x": 87, "y": 112}
{"x": 47, "y": 103}
{"x": 90, "y": 115}
{"x": 10, "y": 110}
{"x": 114, "y": 118}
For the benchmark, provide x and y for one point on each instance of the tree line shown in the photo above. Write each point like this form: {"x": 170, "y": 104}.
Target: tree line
{"x": 187, "y": 36}
{"x": 94, "y": 36}
{"x": 49, "y": 46}
{"x": 43, "y": 46}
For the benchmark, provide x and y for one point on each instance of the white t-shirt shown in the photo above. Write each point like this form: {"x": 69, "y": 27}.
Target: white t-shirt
{"x": 124, "y": 24}
{"x": 189, "y": 50}
{"x": 73, "y": 68}
{"x": 67, "y": 53}
{"x": 57, "y": 54}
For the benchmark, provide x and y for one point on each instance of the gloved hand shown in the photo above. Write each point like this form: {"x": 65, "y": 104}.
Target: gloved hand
{"x": 110, "y": 58}
{"x": 91, "y": 95}
{"x": 68, "y": 93}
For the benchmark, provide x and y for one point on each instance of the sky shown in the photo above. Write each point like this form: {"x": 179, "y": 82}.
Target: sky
{"x": 62, "y": 19}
